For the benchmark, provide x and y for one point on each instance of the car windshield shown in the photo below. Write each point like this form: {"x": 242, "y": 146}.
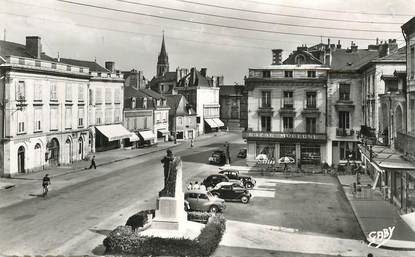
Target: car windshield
{"x": 209, "y": 194}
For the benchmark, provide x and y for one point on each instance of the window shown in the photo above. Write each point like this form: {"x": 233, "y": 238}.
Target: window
{"x": 288, "y": 99}
{"x": 91, "y": 97}
{"x": 117, "y": 96}
{"x": 80, "y": 93}
{"x": 288, "y": 73}
{"x": 37, "y": 96}
{"x": 265, "y": 123}
{"x": 344, "y": 92}
{"x": 53, "y": 95}
{"x": 81, "y": 117}
{"x": 98, "y": 96}
{"x": 311, "y": 73}
{"x": 300, "y": 59}
{"x": 68, "y": 92}
{"x": 412, "y": 62}
{"x": 21, "y": 120}
{"x": 108, "y": 97}
{"x": 68, "y": 117}
{"x": 53, "y": 118}
{"x": 158, "y": 117}
{"x": 288, "y": 124}
{"x": 37, "y": 119}
{"x": 311, "y": 125}
{"x": 117, "y": 115}
{"x": 267, "y": 149}
{"x": 311, "y": 99}
{"x": 98, "y": 117}
{"x": 344, "y": 120}
{"x": 108, "y": 118}
{"x": 288, "y": 150}
{"x": 145, "y": 122}
{"x": 266, "y": 74}
{"x": 20, "y": 90}
{"x": 266, "y": 99}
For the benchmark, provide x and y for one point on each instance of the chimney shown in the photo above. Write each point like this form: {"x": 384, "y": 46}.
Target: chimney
{"x": 110, "y": 66}
{"x": 353, "y": 47}
{"x": 203, "y": 72}
{"x": 193, "y": 76}
{"x": 276, "y": 56}
{"x": 34, "y": 47}
{"x": 393, "y": 46}
{"x": 383, "y": 50}
{"x": 339, "y": 46}
{"x": 302, "y": 48}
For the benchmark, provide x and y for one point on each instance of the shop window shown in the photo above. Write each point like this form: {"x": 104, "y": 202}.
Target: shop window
{"x": 310, "y": 154}
{"x": 266, "y": 149}
{"x": 349, "y": 151}
{"x": 288, "y": 150}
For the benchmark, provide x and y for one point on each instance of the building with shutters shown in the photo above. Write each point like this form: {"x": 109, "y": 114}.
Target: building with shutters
{"x": 286, "y": 113}
{"x": 44, "y": 115}
{"x": 182, "y": 118}
{"x": 105, "y": 105}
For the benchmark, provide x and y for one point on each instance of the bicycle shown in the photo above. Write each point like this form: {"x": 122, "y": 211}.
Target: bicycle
{"x": 45, "y": 184}
{"x": 45, "y": 190}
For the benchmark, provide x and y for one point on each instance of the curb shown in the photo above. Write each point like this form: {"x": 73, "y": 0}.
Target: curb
{"x": 114, "y": 161}
{"x": 366, "y": 240}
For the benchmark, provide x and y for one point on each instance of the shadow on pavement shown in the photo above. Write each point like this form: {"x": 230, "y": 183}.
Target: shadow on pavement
{"x": 104, "y": 232}
{"x": 99, "y": 250}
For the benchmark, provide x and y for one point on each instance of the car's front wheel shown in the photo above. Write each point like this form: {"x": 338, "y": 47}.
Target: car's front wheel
{"x": 245, "y": 199}
{"x": 249, "y": 185}
{"x": 213, "y": 209}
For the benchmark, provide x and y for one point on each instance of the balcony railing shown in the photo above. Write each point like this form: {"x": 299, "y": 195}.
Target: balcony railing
{"x": 340, "y": 132}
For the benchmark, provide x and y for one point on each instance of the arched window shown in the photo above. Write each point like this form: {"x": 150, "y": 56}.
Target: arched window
{"x": 300, "y": 59}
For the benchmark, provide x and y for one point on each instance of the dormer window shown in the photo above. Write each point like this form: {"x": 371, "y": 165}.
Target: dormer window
{"x": 300, "y": 59}
{"x": 145, "y": 103}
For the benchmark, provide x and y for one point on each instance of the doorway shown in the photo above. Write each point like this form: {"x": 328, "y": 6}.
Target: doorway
{"x": 81, "y": 148}
{"x": 21, "y": 160}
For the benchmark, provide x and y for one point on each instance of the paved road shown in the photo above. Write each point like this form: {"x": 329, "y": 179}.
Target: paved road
{"x": 39, "y": 226}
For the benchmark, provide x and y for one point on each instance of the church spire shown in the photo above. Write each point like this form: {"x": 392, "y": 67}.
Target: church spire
{"x": 163, "y": 60}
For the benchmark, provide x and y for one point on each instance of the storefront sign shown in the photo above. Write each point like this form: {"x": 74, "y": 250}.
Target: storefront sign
{"x": 276, "y": 135}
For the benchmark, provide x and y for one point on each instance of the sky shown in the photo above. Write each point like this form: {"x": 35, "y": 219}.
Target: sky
{"x": 225, "y": 36}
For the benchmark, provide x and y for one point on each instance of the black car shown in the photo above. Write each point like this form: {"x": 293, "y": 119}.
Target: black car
{"x": 218, "y": 157}
{"x": 213, "y": 180}
{"x": 242, "y": 153}
{"x": 230, "y": 191}
{"x": 247, "y": 181}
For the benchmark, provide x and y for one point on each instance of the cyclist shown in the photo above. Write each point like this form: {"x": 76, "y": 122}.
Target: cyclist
{"x": 45, "y": 184}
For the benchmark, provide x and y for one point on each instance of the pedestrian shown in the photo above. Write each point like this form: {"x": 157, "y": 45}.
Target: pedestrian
{"x": 93, "y": 164}
{"x": 191, "y": 142}
{"x": 196, "y": 186}
{"x": 202, "y": 187}
{"x": 166, "y": 164}
{"x": 45, "y": 184}
{"x": 190, "y": 186}
{"x": 299, "y": 165}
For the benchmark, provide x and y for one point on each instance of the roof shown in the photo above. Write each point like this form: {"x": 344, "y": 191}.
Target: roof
{"x": 168, "y": 76}
{"x": 163, "y": 58}
{"x": 10, "y": 48}
{"x": 174, "y": 100}
{"x": 231, "y": 89}
{"x": 132, "y": 92}
{"x": 196, "y": 79}
{"x": 347, "y": 60}
{"x": 398, "y": 55}
{"x": 409, "y": 26}
{"x": 151, "y": 93}
{"x": 93, "y": 66}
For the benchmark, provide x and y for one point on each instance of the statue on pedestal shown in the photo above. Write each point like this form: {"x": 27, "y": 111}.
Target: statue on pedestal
{"x": 169, "y": 167}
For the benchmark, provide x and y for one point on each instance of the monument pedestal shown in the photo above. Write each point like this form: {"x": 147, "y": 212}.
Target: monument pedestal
{"x": 171, "y": 219}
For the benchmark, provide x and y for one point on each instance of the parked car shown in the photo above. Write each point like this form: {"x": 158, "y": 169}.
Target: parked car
{"x": 231, "y": 191}
{"x": 218, "y": 157}
{"x": 212, "y": 180}
{"x": 203, "y": 201}
{"x": 247, "y": 181}
{"x": 242, "y": 153}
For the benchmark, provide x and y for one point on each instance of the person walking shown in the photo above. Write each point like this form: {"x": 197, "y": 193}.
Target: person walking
{"x": 93, "y": 164}
{"x": 191, "y": 142}
{"x": 45, "y": 184}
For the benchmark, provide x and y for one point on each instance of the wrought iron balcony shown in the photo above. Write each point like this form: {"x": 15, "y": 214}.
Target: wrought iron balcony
{"x": 341, "y": 132}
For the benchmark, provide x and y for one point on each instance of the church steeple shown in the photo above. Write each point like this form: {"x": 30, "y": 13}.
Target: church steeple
{"x": 163, "y": 60}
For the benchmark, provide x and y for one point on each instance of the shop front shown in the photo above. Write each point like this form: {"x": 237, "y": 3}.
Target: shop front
{"x": 110, "y": 137}
{"x": 309, "y": 148}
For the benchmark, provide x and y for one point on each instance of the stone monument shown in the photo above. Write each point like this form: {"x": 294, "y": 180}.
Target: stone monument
{"x": 170, "y": 218}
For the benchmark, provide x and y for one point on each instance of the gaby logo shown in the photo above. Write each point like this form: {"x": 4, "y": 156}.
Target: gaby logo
{"x": 380, "y": 237}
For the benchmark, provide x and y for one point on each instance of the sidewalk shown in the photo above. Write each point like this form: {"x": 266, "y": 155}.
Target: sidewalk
{"x": 375, "y": 214}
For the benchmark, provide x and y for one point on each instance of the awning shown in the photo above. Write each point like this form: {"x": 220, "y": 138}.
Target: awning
{"x": 134, "y": 138}
{"x": 219, "y": 122}
{"x": 114, "y": 132}
{"x": 211, "y": 123}
{"x": 163, "y": 131}
{"x": 147, "y": 135}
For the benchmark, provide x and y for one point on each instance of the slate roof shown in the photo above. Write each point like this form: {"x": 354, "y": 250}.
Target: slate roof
{"x": 347, "y": 60}
{"x": 10, "y": 48}
{"x": 226, "y": 90}
{"x": 398, "y": 55}
{"x": 199, "y": 79}
{"x": 151, "y": 93}
{"x": 93, "y": 66}
{"x": 130, "y": 92}
{"x": 174, "y": 100}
